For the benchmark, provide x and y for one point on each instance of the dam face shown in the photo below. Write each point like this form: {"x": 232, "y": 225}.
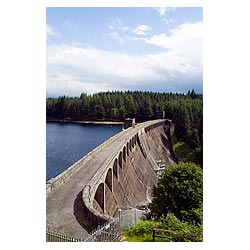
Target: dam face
{"x": 119, "y": 174}
{"x": 129, "y": 182}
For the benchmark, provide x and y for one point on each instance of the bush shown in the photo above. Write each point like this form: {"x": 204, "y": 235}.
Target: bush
{"x": 182, "y": 231}
{"x": 144, "y": 227}
{"x": 179, "y": 191}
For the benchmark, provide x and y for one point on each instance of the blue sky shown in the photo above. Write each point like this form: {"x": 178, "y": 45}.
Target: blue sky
{"x": 100, "y": 49}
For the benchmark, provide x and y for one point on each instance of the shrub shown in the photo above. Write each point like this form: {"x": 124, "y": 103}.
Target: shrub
{"x": 144, "y": 227}
{"x": 179, "y": 191}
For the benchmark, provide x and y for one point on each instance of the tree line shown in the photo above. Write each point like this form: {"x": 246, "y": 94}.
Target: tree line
{"x": 185, "y": 110}
{"x": 116, "y": 105}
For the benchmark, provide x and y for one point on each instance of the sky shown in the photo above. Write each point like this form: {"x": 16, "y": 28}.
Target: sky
{"x": 99, "y": 49}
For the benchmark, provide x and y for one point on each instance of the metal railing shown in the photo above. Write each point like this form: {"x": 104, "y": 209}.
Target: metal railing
{"x": 58, "y": 237}
{"x": 107, "y": 232}
{"x": 111, "y": 230}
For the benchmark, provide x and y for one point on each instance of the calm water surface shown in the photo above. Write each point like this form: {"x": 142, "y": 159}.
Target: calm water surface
{"x": 67, "y": 143}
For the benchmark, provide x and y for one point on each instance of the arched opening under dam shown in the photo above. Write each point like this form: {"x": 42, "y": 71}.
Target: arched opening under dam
{"x": 109, "y": 179}
{"x": 99, "y": 196}
{"x": 120, "y": 159}
{"x": 115, "y": 170}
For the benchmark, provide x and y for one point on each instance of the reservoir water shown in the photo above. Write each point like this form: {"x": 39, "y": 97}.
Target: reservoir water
{"x": 67, "y": 143}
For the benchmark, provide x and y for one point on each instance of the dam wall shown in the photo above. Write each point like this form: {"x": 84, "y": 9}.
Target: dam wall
{"x": 130, "y": 175}
{"x": 119, "y": 174}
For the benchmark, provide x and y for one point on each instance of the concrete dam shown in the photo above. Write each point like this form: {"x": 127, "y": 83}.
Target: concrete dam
{"x": 120, "y": 173}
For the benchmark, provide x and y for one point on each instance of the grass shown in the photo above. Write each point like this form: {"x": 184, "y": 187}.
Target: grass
{"x": 142, "y": 231}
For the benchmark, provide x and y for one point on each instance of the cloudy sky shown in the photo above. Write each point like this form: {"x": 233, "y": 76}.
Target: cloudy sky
{"x": 99, "y": 49}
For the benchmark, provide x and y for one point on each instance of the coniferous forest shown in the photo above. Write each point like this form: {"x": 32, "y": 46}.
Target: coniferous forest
{"x": 185, "y": 110}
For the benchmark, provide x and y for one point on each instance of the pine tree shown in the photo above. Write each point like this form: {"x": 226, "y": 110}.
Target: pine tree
{"x": 182, "y": 124}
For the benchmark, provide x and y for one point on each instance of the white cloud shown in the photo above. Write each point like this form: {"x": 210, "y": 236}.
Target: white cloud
{"x": 69, "y": 25}
{"x": 75, "y": 69}
{"x": 141, "y": 29}
{"x": 168, "y": 21}
{"x": 118, "y": 25}
{"x": 117, "y": 31}
{"x": 184, "y": 40}
{"x": 163, "y": 10}
{"x": 51, "y": 32}
{"x": 114, "y": 35}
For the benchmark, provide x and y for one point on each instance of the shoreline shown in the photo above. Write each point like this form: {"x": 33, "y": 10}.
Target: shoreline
{"x": 86, "y": 122}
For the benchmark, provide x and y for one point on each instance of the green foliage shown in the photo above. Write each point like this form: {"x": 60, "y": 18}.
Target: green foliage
{"x": 188, "y": 120}
{"x": 182, "y": 124}
{"x": 117, "y": 105}
{"x": 179, "y": 189}
{"x": 144, "y": 228}
{"x": 194, "y": 216}
{"x": 187, "y": 154}
{"x": 193, "y": 138}
{"x": 180, "y": 231}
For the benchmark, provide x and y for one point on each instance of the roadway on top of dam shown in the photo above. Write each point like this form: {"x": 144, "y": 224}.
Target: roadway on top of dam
{"x": 60, "y": 209}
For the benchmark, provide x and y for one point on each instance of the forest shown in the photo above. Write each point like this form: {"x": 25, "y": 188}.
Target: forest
{"x": 184, "y": 110}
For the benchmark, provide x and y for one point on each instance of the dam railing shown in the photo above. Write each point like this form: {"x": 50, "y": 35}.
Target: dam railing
{"x": 52, "y": 236}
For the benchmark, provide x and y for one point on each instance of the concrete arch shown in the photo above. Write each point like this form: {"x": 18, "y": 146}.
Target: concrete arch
{"x": 120, "y": 159}
{"x": 99, "y": 196}
{"x": 115, "y": 170}
{"x": 128, "y": 148}
{"x": 124, "y": 153}
{"x": 109, "y": 179}
{"x": 135, "y": 139}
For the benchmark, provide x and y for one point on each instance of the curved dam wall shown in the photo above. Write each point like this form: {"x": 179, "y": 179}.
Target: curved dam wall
{"x": 126, "y": 178}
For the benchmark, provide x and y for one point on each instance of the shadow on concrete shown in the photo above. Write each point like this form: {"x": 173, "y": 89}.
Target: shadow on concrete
{"x": 168, "y": 142}
{"x": 165, "y": 142}
{"x": 79, "y": 213}
{"x": 141, "y": 148}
